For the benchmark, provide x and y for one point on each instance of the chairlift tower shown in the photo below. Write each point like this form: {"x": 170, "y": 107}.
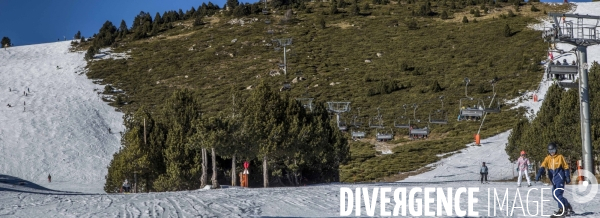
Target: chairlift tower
{"x": 265, "y": 11}
{"x": 585, "y": 32}
{"x": 338, "y": 107}
{"x": 284, "y": 42}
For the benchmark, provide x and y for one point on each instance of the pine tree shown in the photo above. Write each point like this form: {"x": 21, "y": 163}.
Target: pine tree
{"x": 355, "y": 9}
{"x": 158, "y": 19}
{"x": 123, "y": 30}
{"x": 507, "y": 31}
{"x": 444, "y": 15}
{"x": 333, "y": 8}
{"x": 465, "y": 20}
{"x": 5, "y": 42}
{"x": 322, "y": 23}
{"x": 341, "y": 4}
{"x": 77, "y": 35}
{"x": 263, "y": 124}
{"x": 232, "y": 4}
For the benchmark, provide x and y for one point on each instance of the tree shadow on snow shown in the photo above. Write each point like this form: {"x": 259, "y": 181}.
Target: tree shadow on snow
{"x": 14, "y": 184}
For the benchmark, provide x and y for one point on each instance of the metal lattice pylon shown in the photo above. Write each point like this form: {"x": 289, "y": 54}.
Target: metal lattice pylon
{"x": 283, "y": 43}
{"x": 581, "y": 34}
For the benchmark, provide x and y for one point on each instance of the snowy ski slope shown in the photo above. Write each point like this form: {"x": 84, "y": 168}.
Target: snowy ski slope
{"x": 62, "y": 129}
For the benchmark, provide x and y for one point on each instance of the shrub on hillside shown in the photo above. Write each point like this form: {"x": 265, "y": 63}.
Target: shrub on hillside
{"x": 444, "y": 15}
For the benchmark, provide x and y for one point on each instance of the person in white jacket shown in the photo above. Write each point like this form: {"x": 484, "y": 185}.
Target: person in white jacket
{"x": 522, "y": 166}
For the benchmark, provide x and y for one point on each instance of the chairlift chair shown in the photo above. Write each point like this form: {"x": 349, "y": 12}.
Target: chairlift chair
{"x": 468, "y": 112}
{"x": 416, "y": 133}
{"x": 403, "y": 121}
{"x": 376, "y": 121}
{"x": 338, "y": 108}
{"x": 384, "y": 135}
{"x": 496, "y": 108}
{"x": 342, "y": 126}
{"x": 306, "y": 103}
{"x": 356, "y": 123}
{"x": 440, "y": 116}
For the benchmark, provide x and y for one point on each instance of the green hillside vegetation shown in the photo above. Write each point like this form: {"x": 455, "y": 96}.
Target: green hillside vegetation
{"x": 558, "y": 121}
{"x": 375, "y": 54}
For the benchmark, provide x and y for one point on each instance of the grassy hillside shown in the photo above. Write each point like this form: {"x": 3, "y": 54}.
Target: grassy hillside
{"x": 415, "y": 54}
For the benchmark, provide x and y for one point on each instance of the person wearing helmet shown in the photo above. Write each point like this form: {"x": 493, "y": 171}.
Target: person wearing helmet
{"x": 522, "y": 166}
{"x": 559, "y": 174}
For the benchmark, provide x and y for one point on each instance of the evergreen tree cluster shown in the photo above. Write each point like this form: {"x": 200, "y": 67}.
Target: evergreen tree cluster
{"x": 4, "y": 42}
{"x": 557, "y": 121}
{"x": 170, "y": 152}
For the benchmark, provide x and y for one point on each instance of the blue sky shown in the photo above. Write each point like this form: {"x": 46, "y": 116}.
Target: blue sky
{"x": 39, "y": 21}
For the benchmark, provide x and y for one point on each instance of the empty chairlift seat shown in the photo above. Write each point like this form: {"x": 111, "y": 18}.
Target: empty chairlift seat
{"x": 384, "y": 137}
{"x": 471, "y": 112}
{"x": 358, "y": 134}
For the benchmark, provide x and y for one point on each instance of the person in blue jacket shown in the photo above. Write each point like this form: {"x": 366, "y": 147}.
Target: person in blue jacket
{"x": 559, "y": 174}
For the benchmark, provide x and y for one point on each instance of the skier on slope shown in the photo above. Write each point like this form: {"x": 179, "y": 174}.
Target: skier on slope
{"x": 558, "y": 172}
{"x": 484, "y": 172}
{"x": 522, "y": 166}
{"x": 49, "y": 178}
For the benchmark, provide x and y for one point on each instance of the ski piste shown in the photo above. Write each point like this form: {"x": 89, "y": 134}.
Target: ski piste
{"x": 76, "y": 180}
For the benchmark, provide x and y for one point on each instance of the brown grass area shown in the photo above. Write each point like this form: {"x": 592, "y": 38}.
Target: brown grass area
{"x": 213, "y": 20}
{"x": 179, "y": 36}
{"x": 494, "y": 13}
{"x": 343, "y": 25}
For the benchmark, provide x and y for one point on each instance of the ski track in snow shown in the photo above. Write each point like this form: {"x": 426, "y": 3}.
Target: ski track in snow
{"x": 64, "y": 128}
{"x": 63, "y": 131}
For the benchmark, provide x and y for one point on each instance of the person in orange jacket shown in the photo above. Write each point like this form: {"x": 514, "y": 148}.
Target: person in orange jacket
{"x": 559, "y": 174}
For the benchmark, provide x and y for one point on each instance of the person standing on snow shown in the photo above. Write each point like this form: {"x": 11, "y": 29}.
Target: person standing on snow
{"x": 49, "y": 178}
{"x": 559, "y": 174}
{"x": 483, "y": 172}
{"x": 126, "y": 186}
{"x": 522, "y": 166}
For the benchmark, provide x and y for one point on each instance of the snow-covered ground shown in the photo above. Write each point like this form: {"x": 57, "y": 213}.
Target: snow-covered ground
{"x": 63, "y": 131}
{"x": 464, "y": 166}
{"x": 309, "y": 201}
{"x": 61, "y": 126}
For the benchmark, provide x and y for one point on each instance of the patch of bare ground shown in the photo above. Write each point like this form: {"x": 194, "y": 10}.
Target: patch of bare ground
{"x": 525, "y": 10}
{"x": 403, "y": 175}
